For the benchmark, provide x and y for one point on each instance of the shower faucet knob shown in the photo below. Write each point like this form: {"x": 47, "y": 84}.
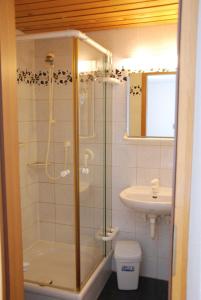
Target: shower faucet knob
{"x": 64, "y": 173}
{"x": 85, "y": 171}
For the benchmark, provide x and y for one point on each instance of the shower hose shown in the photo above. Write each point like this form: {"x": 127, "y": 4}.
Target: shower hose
{"x": 51, "y": 122}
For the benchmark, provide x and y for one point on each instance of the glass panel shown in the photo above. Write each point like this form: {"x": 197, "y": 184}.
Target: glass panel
{"x": 108, "y": 192}
{"x": 46, "y": 162}
{"x": 91, "y": 67}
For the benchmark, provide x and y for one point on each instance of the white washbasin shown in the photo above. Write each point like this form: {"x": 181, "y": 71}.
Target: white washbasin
{"x": 141, "y": 199}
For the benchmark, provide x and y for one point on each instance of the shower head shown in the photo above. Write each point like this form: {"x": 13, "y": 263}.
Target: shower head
{"x": 49, "y": 58}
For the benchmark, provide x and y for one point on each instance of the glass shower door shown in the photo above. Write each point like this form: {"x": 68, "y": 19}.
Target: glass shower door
{"x": 92, "y": 157}
{"x": 46, "y": 146}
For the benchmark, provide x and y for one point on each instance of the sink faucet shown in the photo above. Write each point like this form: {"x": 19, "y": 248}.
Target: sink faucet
{"x": 155, "y": 187}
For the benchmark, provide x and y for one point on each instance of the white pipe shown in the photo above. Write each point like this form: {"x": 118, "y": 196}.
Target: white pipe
{"x": 66, "y": 33}
{"x": 152, "y": 228}
{"x": 152, "y": 222}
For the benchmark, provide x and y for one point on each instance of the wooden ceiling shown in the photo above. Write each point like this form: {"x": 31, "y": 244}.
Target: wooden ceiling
{"x": 91, "y": 15}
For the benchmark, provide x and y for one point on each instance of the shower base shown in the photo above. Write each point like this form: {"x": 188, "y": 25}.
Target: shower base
{"x": 53, "y": 263}
{"x": 51, "y": 269}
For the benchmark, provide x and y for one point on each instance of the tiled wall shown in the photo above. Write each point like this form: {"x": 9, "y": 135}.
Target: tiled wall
{"x": 27, "y": 147}
{"x": 56, "y": 215}
{"x": 47, "y": 207}
{"x": 53, "y": 211}
{"x": 137, "y": 162}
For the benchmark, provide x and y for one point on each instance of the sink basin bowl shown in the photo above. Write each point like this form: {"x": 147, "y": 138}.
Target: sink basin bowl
{"x": 141, "y": 199}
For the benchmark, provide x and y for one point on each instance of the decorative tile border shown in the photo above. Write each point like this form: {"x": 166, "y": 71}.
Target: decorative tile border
{"x": 136, "y": 90}
{"x": 123, "y": 74}
{"x": 63, "y": 77}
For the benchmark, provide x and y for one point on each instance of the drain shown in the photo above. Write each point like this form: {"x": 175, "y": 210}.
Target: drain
{"x": 48, "y": 282}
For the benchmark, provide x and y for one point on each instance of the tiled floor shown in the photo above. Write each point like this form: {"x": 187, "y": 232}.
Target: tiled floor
{"x": 149, "y": 289}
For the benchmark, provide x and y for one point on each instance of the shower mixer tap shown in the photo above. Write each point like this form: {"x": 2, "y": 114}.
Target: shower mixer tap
{"x": 64, "y": 173}
{"x": 88, "y": 155}
{"x": 85, "y": 169}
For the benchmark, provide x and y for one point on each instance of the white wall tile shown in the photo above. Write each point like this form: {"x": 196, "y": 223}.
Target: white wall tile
{"x": 63, "y": 110}
{"x": 63, "y": 131}
{"x": 164, "y": 241}
{"x": 29, "y": 216}
{"x": 124, "y": 155}
{"x": 42, "y": 110}
{"x": 149, "y": 267}
{"x": 86, "y": 217}
{"x": 42, "y": 47}
{"x": 144, "y": 176}
{"x": 123, "y": 176}
{"x": 166, "y": 177}
{"x": 124, "y": 220}
{"x": 42, "y": 152}
{"x": 96, "y": 197}
{"x": 46, "y": 192}
{"x": 167, "y": 157}
{"x": 64, "y": 194}
{"x": 119, "y": 111}
{"x": 63, "y": 91}
{"x": 47, "y": 212}
{"x": 163, "y": 269}
{"x": 29, "y": 195}
{"x": 47, "y": 231}
{"x": 148, "y": 157}
{"x": 30, "y": 235}
{"x": 87, "y": 238}
{"x": 42, "y": 131}
{"x": 64, "y": 214}
{"x": 64, "y": 233}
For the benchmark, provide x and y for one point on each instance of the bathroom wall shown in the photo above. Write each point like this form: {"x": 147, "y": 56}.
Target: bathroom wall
{"x": 56, "y": 215}
{"x": 27, "y": 146}
{"x": 148, "y": 46}
{"x": 47, "y": 205}
{"x": 137, "y": 162}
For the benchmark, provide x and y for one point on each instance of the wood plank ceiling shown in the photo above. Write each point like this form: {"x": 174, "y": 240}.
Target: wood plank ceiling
{"x": 91, "y": 15}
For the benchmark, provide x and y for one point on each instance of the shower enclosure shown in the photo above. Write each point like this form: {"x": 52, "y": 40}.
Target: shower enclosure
{"x": 65, "y": 152}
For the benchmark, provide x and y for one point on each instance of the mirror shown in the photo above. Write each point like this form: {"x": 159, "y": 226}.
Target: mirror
{"x": 151, "y": 104}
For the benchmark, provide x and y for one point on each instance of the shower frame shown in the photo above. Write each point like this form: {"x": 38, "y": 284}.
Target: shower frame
{"x": 76, "y": 36}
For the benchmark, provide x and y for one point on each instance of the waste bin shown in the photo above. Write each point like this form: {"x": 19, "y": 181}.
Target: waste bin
{"x": 128, "y": 255}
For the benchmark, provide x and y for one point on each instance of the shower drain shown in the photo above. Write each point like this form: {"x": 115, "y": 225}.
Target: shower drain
{"x": 48, "y": 282}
